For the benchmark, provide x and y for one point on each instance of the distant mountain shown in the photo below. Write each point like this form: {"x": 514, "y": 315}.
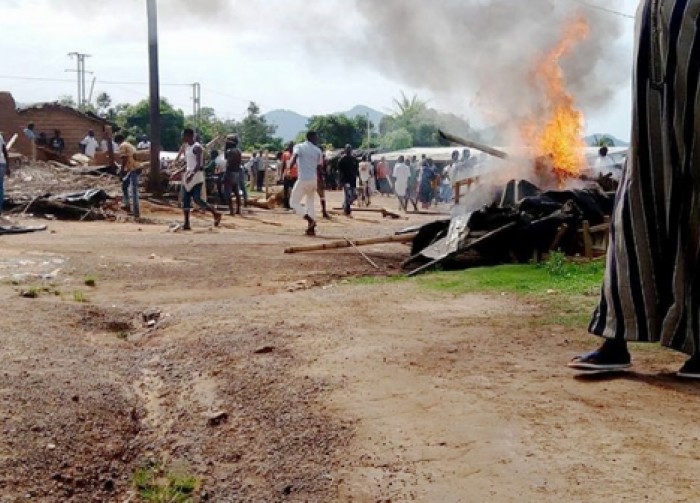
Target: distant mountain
{"x": 375, "y": 116}
{"x": 290, "y": 124}
{"x": 591, "y": 140}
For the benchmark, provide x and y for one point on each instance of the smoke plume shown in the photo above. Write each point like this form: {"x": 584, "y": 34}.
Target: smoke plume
{"x": 479, "y": 54}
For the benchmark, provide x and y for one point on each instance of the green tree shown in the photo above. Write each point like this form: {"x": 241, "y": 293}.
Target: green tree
{"x": 103, "y": 102}
{"x": 338, "y": 130}
{"x": 134, "y": 120}
{"x": 399, "y": 139}
{"x": 210, "y": 126}
{"x": 255, "y": 133}
{"x": 413, "y": 115}
{"x": 67, "y": 100}
{"x": 603, "y": 141}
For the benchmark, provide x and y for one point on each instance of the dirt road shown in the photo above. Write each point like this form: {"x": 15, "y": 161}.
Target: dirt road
{"x": 269, "y": 377}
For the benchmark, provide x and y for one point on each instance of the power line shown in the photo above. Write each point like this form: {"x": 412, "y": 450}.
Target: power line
{"x": 604, "y": 9}
{"x": 108, "y": 82}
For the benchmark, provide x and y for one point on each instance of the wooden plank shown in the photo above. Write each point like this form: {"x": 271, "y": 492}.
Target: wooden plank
{"x": 558, "y": 237}
{"x": 331, "y": 245}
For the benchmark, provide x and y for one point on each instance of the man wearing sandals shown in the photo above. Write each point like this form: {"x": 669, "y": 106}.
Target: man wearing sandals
{"x": 308, "y": 157}
{"x": 651, "y": 291}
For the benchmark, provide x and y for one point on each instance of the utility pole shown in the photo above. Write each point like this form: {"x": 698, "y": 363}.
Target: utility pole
{"x": 369, "y": 134}
{"x": 154, "y": 182}
{"x": 196, "y": 104}
{"x": 80, "y": 73}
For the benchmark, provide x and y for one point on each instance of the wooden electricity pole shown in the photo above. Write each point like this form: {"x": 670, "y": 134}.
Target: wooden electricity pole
{"x": 154, "y": 182}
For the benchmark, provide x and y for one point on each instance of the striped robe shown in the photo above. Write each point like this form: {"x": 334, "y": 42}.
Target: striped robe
{"x": 651, "y": 291}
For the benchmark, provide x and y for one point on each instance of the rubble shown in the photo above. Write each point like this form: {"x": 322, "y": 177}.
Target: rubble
{"x": 522, "y": 224}
{"x": 56, "y": 190}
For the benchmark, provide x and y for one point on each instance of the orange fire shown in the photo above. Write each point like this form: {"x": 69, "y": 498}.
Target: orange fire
{"x": 556, "y": 133}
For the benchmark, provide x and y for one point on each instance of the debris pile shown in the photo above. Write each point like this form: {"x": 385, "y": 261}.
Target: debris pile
{"x": 523, "y": 224}
{"x": 58, "y": 191}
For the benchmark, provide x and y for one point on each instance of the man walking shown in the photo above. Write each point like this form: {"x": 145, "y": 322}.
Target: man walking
{"x": 651, "y": 291}
{"x": 233, "y": 174}
{"x": 402, "y": 173}
{"x": 193, "y": 179}
{"x": 349, "y": 170}
{"x": 129, "y": 174}
{"x": 4, "y": 170}
{"x": 308, "y": 157}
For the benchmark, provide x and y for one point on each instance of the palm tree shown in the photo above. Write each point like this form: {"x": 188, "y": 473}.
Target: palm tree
{"x": 603, "y": 141}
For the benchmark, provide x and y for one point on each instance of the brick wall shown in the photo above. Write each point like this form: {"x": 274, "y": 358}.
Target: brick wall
{"x": 73, "y": 126}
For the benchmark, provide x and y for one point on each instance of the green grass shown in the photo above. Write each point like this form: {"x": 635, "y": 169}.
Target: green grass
{"x": 156, "y": 485}
{"x": 533, "y": 279}
{"x": 79, "y": 296}
{"x": 568, "y": 291}
{"x": 31, "y": 293}
{"x": 90, "y": 280}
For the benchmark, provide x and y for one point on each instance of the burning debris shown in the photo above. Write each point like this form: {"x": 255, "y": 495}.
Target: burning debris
{"x": 525, "y": 223}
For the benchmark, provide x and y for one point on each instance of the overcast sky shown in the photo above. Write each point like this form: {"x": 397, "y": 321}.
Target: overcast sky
{"x": 238, "y": 51}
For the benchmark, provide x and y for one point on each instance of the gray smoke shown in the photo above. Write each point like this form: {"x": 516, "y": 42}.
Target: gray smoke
{"x": 480, "y": 54}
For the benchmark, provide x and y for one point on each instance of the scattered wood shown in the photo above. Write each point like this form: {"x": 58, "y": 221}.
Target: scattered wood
{"x": 473, "y": 144}
{"x": 561, "y": 232}
{"x": 332, "y": 245}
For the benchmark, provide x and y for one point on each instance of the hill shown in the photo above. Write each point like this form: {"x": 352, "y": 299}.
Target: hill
{"x": 375, "y": 116}
{"x": 290, "y": 124}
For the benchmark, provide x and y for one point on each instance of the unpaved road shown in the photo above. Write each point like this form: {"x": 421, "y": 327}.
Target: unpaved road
{"x": 333, "y": 391}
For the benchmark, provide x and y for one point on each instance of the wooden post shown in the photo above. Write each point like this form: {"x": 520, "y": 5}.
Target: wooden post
{"x": 558, "y": 237}
{"x": 154, "y": 182}
{"x": 587, "y": 240}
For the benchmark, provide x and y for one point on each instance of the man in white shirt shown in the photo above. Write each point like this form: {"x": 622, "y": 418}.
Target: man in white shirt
{"x": 603, "y": 164}
{"x": 4, "y": 169}
{"x": 308, "y": 157}
{"x": 193, "y": 179}
{"x": 401, "y": 175}
{"x": 144, "y": 144}
{"x": 90, "y": 144}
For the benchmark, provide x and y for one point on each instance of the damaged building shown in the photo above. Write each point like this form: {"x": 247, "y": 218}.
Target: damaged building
{"x": 46, "y": 117}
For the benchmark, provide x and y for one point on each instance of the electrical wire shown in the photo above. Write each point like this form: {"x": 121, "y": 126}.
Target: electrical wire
{"x": 108, "y": 82}
{"x": 604, "y": 9}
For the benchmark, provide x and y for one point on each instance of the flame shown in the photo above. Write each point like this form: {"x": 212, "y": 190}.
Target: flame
{"x": 556, "y": 132}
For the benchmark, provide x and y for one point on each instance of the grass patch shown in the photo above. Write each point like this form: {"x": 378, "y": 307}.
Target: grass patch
{"x": 79, "y": 296}
{"x": 90, "y": 280}
{"x": 32, "y": 292}
{"x": 568, "y": 278}
{"x": 567, "y": 290}
{"x": 157, "y": 485}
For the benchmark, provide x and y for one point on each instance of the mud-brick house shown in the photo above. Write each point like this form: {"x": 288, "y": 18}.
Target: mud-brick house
{"x": 46, "y": 117}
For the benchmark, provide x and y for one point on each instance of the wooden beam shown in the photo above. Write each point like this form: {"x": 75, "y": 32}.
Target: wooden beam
{"x": 332, "y": 245}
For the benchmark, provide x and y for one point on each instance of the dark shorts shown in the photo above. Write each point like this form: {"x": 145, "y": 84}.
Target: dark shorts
{"x": 194, "y": 195}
